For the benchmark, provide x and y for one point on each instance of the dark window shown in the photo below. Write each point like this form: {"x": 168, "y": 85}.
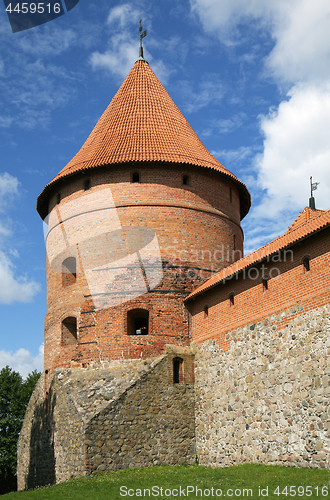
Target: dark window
{"x": 69, "y": 331}
{"x": 135, "y": 177}
{"x": 265, "y": 283}
{"x": 206, "y": 311}
{"x": 185, "y": 180}
{"x": 232, "y": 299}
{"x": 87, "y": 185}
{"x": 69, "y": 272}
{"x": 58, "y": 198}
{"x": 306, "y": 264}
{"x": 138, "y": 322}
{"x": 177, "y": 370}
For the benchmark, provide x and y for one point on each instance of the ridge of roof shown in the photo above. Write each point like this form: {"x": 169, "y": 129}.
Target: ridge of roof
{"x": 297, "y": 233}
{"x": 143, "y": 124}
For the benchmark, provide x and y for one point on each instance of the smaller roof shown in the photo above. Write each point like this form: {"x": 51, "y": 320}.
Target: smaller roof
{"x": 305, "y": 216}
{"x": 304, "y": 225}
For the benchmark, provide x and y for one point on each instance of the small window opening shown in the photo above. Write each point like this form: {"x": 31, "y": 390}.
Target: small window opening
{"x": 69, "y": 272}
{"x": 135, "y": 177}
{"x": 206, "y": 311}
{"x": 177, "y": 370}
{"x": 265, "y": 283}
{"x": 58, "y": 198}
{"x": 306, "y": 264}
{"x": 69, "y": 331}
{"x": 138, "y": 322}
{"x": 185, "y": 180}
{"x": 231, "y": 195}
{"x": 232, "y": 299}
{"x": 87, "y": 185}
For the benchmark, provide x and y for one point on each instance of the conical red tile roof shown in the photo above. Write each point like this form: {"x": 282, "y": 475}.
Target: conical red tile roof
{"x": 142, "y": 124}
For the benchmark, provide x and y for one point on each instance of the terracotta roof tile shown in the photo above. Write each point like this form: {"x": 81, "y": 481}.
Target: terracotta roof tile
{"x": 305, "y": 216}
{"x": 298, "y": 232}
{"x": 142, "y": 123}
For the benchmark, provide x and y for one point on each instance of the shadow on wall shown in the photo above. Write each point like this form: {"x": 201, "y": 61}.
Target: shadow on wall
{"x": 42, "y": 458}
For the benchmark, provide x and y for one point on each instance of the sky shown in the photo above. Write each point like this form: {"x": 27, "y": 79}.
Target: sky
{"x": 252, "y": 77}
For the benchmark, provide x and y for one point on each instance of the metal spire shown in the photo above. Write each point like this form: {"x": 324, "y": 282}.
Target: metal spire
{"x": 313, "y": 188}
{"x": 142, "y": 35}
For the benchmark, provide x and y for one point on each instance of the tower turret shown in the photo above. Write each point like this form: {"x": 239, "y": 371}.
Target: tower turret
{"x": 140, "y": 216}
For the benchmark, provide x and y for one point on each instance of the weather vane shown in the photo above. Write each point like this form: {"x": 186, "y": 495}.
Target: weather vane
{"x": 313, "y": 188}
{"x": 142, "y": 35}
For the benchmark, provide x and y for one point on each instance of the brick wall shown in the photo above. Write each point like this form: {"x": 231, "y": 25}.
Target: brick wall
{"x": 289, "y": 284}
{"x": 197, "y": 229}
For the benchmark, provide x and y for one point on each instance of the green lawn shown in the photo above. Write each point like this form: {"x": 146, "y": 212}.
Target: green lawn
{"x": 243, "y": 481}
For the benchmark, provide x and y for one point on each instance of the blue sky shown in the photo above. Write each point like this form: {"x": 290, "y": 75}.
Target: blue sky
{"x": 252, "y": 77}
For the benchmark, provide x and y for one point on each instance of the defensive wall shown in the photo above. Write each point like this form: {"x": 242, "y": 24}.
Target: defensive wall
{"x": 262, "y": 379}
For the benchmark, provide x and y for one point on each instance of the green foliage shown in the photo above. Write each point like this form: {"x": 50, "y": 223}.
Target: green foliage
{"x": 14, "y": 397}
{"x": 253, "y": 477}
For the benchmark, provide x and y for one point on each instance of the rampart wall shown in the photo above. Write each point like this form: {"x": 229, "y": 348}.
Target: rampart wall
{"x": 265, "y": 399}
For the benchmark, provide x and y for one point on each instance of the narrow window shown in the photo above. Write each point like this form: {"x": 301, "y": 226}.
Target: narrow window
{"x": 232, "y": 299}
{"x": 231, "y": 195}
{"x": 87, "y": 185}
{"x": 306, "y": 264}
{"x": 265, "y": 284}
{"x": 58, "y": 198}
{"x": 69, "y": 272}
{"x": 135, "y": 177}
{"x": 69, "y": 331}
{"x": 177, "y": 370}
{"x": 138, "y": 322}
{"x": 206, "y": 311}
{"x": 185, "y": 180}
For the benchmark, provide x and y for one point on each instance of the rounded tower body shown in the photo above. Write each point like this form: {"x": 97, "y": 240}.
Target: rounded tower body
{"x": 137, "y": 219}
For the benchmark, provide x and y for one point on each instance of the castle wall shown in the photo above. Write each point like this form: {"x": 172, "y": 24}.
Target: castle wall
{"x": 266, "y": 398}
{"x": 289, "y": 284}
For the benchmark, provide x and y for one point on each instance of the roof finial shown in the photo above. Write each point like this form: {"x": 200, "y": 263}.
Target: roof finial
{"x": 142, "y": 35}
{"x": 313, "y": 188}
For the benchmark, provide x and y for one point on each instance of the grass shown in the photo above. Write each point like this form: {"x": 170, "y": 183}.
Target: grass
{"x": 245, "y": 481}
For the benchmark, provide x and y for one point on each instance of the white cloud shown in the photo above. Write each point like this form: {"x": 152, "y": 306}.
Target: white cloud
{"x": 296, "y": 133}
{"x": 22, "y": 360}
{"x": 296, "y": 146}
{"x": 14, "y": 289}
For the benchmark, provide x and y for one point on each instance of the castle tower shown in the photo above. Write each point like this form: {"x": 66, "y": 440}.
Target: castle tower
{"x": 139, "y": 217}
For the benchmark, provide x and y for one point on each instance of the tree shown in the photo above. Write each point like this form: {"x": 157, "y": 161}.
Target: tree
{"x": 14, "y": 397}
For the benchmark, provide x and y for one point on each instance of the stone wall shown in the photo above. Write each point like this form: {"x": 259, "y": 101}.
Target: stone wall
{"x": 117, "y": 415}
{"x": 266, "y": 399}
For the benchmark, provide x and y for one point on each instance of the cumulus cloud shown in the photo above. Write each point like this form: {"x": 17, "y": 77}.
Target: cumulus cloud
{"x": 295, "y": 132}
{"x": 13, "y": 288}
{"x": 296, "y": 145}
{"x": 22, "y": 360}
